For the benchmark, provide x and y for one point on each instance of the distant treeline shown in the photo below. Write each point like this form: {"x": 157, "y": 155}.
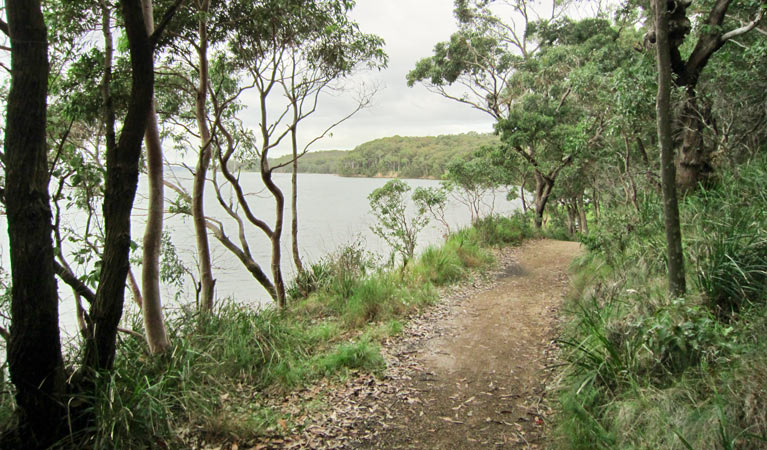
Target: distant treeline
{"x": 396, "y": 156}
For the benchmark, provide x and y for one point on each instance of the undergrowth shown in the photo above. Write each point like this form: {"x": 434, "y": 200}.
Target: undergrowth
{"x": 648, "y": 371}
{"x": 228, "y": 369}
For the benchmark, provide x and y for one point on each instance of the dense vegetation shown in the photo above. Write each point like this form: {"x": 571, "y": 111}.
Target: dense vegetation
{"x": 396, "y": 156}
{"x": 665, "y": 336}
{"x": 227, "y": 375}
{"x": 665, "y": 341}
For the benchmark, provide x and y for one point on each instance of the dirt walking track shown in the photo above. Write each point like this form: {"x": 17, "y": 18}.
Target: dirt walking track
{"x": 469, "y": 374}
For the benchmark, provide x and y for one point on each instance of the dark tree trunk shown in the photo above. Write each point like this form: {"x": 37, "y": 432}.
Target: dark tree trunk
{"x": 543, "y": 187}
{"x": 120, "y": 190}
{"x": 668, "y": 170}
{"x": 522, "y": 194}
{"x": 695, "y": 165}
{"x": 34, "y": 351}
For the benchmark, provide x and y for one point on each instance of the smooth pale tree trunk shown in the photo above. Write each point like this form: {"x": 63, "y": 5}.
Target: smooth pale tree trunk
{"x": 120, "y": 190}
{"x": 34, "y": 350}
{"x": 207, "y": 282}
{"x": 676, "y": 278}
{"x": 279, "y": 200}
{"x": 294, "y": 196}
{"x": 584, "y": 225}
{"x": 154, "y": 325}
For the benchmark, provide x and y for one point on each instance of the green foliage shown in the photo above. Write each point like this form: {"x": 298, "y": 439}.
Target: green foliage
{"x": 439, "y": 266}
{"x": 648, "y": 371}
{"x": 470, "y": 178}
{"x": 393, "y": 222}
{"x": 325, "y": 161}
{"x": 728, "y": 246}
{"x": 410, "y": 157}
{"x": 503, "y": 231}
{"x": 433, "y": 200}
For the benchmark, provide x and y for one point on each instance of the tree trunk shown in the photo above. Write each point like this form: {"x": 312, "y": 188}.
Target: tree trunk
{"x": 584, "y": 225}
{"x": 694, "y": 166}
{"x": 203, "y": 162}
{"x": 522, "y": 194}
{"x": 120, "y": 190}
{"x": 571, "y": 215}
{"x": 668, "y": 169}
{"x": 279, "y": 200}
{"x": 34, "y": 350}
{"x": 154, "y": 326}
{"x": 543, "y": 186}
{"x": 294, "y": 195}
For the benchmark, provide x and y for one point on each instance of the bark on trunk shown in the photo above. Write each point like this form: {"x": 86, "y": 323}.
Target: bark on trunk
{"x": 154, "y": 325}
{"x": 207, "y": 283}
{"x": 279, "y": 200}
{"x": 584, "y": 224}
{"x": 670, "y": 207}
{"x": 543, "y": 186}
{"x": 294, "y": 196}
{"x": 572, "y": 213}
{"x": 120, "y": 190}
{"x": 34, "y": 350}
{"x": 522, "y": 194}
{"x": 694, "y": 165}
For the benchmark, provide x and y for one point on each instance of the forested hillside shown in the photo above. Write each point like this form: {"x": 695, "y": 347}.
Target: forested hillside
{"x": 396, "y": 156}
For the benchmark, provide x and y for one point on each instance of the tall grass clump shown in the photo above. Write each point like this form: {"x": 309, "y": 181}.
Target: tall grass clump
{"x": 649, "y": 371}
{"x": 728, "y": 225}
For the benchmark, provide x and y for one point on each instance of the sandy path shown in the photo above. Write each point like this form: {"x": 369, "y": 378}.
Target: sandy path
{"x": 477, "y": 377}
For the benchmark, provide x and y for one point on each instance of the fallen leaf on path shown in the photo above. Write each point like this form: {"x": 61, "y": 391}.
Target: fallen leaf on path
{"x": 451, "y": 420}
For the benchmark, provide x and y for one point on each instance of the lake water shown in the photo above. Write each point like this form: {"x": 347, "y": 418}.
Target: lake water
{"x": 333, "y": 211}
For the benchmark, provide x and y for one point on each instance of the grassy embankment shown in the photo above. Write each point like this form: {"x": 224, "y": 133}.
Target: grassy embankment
{"x": 225, "y": 367}
{"x": 648, "y": 371}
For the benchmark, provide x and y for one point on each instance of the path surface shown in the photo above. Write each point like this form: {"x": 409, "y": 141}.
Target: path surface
{"x": 479, "y": 379}
{"x": 470, "y": 372}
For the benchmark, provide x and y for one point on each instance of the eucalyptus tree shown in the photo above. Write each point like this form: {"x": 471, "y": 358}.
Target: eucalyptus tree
{"x": 200, "y": 32}
{"x": 34, "y": 350}
{"x": 151, "y": 305}
{"x": 496, "y": 67}
{"x": 714, "y": 26}
{"x": 393, "y": 222}
{"x": 41, "y": 386}
{"x": 675, "y": 257}
{"x": 299, "y": 47}
{"x": 470, "y": 180}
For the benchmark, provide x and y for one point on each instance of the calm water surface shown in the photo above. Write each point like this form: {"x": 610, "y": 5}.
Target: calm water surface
{"x": 333, "y": 211}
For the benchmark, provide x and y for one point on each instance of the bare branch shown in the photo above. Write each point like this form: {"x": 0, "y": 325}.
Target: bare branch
{"x": 70, "y": 279}
{"x": 745, "y": 28}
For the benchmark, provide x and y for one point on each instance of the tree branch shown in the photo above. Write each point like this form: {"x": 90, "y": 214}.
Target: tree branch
{"x": 78, "y": 286}
{"x": 745, "y": 28}
{"x": 158, "y": 30}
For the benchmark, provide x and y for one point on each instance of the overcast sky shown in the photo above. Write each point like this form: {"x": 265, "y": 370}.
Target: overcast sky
{"x": 410, "y": 29}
